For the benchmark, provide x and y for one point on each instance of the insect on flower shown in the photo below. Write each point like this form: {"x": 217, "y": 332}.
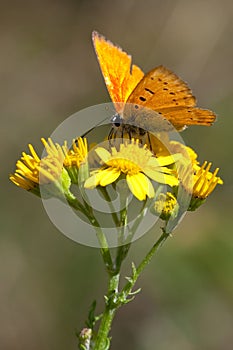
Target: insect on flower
{"x": 156, "y": 101}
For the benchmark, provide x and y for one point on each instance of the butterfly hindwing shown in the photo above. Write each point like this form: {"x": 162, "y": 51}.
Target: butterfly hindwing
{"x": 164, "y": 92}
{"x": 162, "y": 88}
{"x": 180, "y": 117}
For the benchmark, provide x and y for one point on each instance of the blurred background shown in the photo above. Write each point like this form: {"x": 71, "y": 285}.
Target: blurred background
{"x": 48, "y": 72}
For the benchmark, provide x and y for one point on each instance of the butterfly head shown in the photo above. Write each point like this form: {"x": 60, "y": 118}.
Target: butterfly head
{"x": 117, "y": 120}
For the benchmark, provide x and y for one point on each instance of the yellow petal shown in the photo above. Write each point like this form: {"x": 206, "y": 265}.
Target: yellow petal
{"x": 150, "y": 189}
{"x": 162, "y": 161}
{"x": 33, "y": 152}
{"x": 159, "y": 169}
{"x": 108, "y": 176}
{"x": 103, "y": 154}
{"x": 140, "y": 186}
{"x": 92, "y": 181}
{"x": 162, "y": 178}
{"x": 136, "y": 187}
{"x": 220, "y": 181}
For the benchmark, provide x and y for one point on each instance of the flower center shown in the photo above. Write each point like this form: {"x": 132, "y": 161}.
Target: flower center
{"x": 126, "y": 166}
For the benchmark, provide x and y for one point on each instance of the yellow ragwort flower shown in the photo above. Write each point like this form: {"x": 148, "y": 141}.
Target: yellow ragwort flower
{"x": 186, "y": 151}
{"x": 186, "y": 166}
{"x": 75, "y": 160}
{"x": 204, "y": 181}
{"x": 166, "y": 206}
{"x": 32, "y": 171}
{"x": 77, "y": 154}
{"x": 138, "y": 164}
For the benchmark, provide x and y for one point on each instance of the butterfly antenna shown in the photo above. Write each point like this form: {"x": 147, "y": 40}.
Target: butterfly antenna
{"x": 87, "y": 132}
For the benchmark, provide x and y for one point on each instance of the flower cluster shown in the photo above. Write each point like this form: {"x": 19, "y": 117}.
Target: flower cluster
{"x": 144, "y": 170}
{"x": 54, "y": 172}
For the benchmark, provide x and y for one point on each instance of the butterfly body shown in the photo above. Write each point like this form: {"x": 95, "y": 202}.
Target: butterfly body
{"x": 153, "y": 102}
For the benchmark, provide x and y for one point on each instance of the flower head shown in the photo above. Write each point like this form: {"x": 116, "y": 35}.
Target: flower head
{"x": 31, "y": 171}
{"x": 166, "y": 206}
{"x": 138, "y": 164}
{"x": 77, "y": 154}
{"x": 75, "y": 160}
{"x": 203, "y": 183}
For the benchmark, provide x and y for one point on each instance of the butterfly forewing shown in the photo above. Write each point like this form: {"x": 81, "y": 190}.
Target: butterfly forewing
{"x": 120, "y": 76}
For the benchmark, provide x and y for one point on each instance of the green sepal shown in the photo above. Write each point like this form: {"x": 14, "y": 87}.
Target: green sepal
{"x": 196, "y": 203}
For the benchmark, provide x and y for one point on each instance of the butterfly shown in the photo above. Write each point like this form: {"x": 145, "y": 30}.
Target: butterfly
{"x": 156, "y": 101}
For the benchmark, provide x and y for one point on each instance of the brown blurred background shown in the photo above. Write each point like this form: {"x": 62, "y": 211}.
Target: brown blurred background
{"x": 49, "y": 71}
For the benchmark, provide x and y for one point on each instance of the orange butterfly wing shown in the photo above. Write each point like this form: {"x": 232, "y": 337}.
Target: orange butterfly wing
{"x": 159, "y": 90}
{"x": 120, "y": 76}
{"x": 164, "y": 92}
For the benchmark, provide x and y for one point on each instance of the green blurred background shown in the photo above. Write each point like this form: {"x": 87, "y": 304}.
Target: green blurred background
{"x": 48, "y": 72}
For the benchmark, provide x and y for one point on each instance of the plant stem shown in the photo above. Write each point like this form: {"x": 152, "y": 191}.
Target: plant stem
{"x": 122, "y": 249}
{"x": 146, "y": 260}
{"x": 102, "y": 340}
{"x": 151, "y": 252}
{"x": 111, "y": 206}
{"x": 105, "y": 252}
{"x": 114, "y": 299}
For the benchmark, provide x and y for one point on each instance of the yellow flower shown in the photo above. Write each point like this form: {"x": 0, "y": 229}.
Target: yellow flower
{"x": 138, "y": 164}
{"x": 197, "y": 180}
{"x": 32, "y": 171}
{"x": 186, "y": 165}
{"x": 75, "y": 160}
{"x": 77, "y": 155}
{"x": 186, "y": 151}
{"x": 204, "y": 182}
{"x": 177, "y": 147}
{"x": 166, "y": 206}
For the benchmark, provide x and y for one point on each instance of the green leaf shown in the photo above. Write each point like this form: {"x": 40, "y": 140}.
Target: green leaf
{"x": 91, "y": 316}
{"x": 135, "y": 292}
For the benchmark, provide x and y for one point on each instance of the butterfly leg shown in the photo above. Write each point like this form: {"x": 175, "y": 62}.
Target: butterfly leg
{"x": 111, "y": 136}
{"x": 149, "y": 141}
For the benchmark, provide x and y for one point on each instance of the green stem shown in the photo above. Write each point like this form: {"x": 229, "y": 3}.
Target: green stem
{"x": 136, "y": 273}
{"x": 114, "y": 299}
{"x": 122, "y": 249}
{"x": 151, "y": 252}
{"x": 105, "y": 252}
{"x": 102, "y": 341}
{"x": 111, "y": 207}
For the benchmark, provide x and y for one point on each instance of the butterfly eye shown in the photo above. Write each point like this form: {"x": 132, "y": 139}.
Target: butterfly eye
{"x": 117, "y": 120}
